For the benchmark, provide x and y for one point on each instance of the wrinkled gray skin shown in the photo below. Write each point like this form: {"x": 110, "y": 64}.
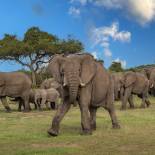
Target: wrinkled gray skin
{"x": 135, "y": 83}
{"x": 117, "y": 78}
{"x": 86, "y": 81}
{"x": 15, "y": 85}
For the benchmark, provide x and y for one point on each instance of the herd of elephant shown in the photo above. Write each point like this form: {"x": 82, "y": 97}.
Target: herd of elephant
{"x": 18, "y": 87}
{"x": 79, "y": 79}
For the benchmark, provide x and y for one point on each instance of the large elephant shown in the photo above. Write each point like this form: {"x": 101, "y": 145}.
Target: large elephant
{"x": 117, "y": 78}
{"x": 84, "y": 80}
{"x": 135, "y": 83}
{"x": 15, "y": 85}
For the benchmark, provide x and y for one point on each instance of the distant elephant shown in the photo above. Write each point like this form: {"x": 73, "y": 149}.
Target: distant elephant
{"x": 117, "y": 78}
{"x": 45, "y": 96}
{"x": 135, "y": 83}
{"x": 151, "y": 77}
{"x": 86, "y": 81}
{"x": 15, "y": 85}
{"x": 150, "y": 74}
{"x": 50, "y": 83}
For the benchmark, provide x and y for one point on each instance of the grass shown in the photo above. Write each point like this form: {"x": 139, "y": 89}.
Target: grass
{"x": 25, "y": 133}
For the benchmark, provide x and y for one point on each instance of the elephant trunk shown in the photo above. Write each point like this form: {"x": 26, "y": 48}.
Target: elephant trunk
{"x": 73, "y": 81}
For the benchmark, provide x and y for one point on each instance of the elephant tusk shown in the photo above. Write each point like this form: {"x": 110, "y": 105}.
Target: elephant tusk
{"x": 64, "y": 85}
{"x": 151, "y": 85}
{"x": 81, "y": 83}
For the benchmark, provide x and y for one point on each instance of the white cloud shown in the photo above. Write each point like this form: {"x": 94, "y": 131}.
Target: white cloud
{"x": 95, "y": 54}
{"x": 142, "y": 11}
{"x": 74, "y": 11}
{"x": 102, "y": 35}
{"x": 123, "y": 62}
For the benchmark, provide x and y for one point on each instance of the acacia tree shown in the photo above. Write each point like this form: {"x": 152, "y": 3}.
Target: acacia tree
{"x": 35, "y": 49}
{"x": 116, "y": 67}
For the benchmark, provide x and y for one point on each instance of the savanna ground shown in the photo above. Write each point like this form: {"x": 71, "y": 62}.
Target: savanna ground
{"x": 25, "y": 133}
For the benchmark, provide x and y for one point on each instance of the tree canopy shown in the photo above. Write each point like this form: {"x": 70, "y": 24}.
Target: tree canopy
{"x": 116, "y": 67}
{"x": 36, "y": 48}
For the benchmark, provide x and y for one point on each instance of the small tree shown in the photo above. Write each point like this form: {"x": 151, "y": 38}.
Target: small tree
{"x": 35, "y": 49}
{"x": 116, "y": 67}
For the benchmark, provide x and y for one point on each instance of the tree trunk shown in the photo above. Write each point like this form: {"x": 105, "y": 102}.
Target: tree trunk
{"x": 34, "y": 82}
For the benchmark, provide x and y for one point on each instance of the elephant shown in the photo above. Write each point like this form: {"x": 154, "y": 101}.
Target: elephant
{"x": 150, "y": 74}
{"x": 49, "y": 83}
{"x": 15, "y": 85}
{"x": 45, "y": 96}
{"x": 117, "y": 78}
{"x": 86, "y": 81}
{"x": 135, "y": 83}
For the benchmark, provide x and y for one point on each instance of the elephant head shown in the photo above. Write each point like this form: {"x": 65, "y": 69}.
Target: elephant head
{"x": 128, "y": 79}
{"x": 152, "y": 79}
{"x": 72, "y": 71}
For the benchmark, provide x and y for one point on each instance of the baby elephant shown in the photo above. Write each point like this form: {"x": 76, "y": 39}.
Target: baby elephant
{"x": 45, "y": 96}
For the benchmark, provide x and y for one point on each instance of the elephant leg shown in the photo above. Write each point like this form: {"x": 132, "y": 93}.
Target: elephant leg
{"x": 47, "y": 105}
{"x": 148, "y": 103}
{"x": 121, "y": 93}
{"x": 112, "y": 113}
{"x": 126, "y": 96}
{"x": 143, "y": 101}
{"x": 85, "y": 98}
{"x": 35, "y": 106}
{"x": 130, "y": 100}
{"x": 20, "y": 105}
{"x": 26, "y": 103}
{"x": 93, "y": 111}
{"x": 53, "y": 104}
{"x": 62, "y": 110}
{"x": 5, "y": 104}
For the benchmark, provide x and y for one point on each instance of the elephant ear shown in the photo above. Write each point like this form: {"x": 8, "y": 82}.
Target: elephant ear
{"x": 130, "y": 78}
{"x": 88, "y": 68}
{"x": 54, "y": 67}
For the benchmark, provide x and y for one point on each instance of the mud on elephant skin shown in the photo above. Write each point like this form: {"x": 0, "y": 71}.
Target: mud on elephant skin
{"x": 15, "y": 85}
{"x": 86, "y": 81}
{"x": 138, "y": 84}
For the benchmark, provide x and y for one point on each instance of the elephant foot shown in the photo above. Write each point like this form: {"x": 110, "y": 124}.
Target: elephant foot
{"x": 93, "y": 127}
{"x": 8, "y": 109}
{"x": 53, "y": 133}
{"x": 86, "y": 132}
{"x": 116, "y": 126}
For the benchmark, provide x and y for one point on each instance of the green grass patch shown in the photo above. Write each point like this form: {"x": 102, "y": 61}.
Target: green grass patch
{"x": 25, "y": 133}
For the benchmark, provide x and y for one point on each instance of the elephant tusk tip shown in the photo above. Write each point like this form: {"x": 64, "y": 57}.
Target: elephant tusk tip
{"x": 64, "y": 85}
{"x": 82, "y": 84}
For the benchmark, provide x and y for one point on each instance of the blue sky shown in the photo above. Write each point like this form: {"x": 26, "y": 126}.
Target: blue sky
{"x": 112, "y": 30}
